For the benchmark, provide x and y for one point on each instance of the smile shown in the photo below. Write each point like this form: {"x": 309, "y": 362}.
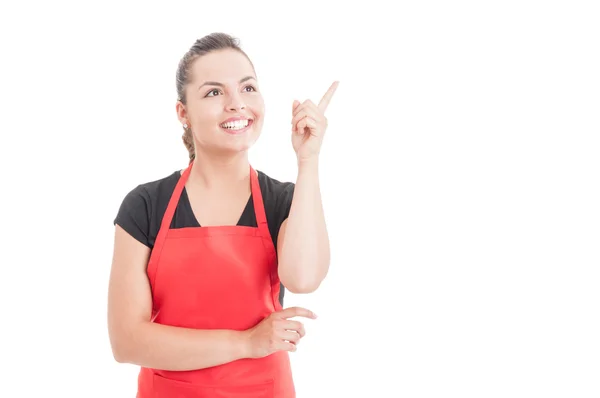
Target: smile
{"x": 236, "y": 126}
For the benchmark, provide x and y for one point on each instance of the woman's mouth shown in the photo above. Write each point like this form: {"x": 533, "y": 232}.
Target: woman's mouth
{"x": 236, "y": 126}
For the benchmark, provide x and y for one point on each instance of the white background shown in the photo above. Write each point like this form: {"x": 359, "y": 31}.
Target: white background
{"x": 460, "y": 176}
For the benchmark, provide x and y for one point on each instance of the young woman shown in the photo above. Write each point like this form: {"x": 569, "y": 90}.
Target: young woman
{"x": 201, "y": 256}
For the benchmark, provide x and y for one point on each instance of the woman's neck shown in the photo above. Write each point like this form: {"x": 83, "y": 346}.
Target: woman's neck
{"x": 218, "y": 172}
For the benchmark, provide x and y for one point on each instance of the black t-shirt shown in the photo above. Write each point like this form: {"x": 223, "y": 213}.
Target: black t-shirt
{"x": 143, "y": 208}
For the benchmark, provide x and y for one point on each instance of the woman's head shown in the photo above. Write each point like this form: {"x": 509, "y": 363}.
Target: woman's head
{"x": 218, "y": 96}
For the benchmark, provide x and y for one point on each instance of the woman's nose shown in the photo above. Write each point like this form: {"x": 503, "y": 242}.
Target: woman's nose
{"x": 236, "y": 103}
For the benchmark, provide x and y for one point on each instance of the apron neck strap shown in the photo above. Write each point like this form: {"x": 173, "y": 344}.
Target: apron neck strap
{"x": 259, "y": 208}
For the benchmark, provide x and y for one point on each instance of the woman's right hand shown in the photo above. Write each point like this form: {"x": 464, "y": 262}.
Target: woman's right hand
{"x": 276, "y": 332}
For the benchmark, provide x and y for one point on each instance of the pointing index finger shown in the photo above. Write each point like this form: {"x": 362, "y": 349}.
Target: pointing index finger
{"x": 292, "y": 312}
{"x": 324, "y": 103}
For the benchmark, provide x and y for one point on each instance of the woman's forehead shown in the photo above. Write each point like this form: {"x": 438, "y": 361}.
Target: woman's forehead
{"x": 222, "y": 66}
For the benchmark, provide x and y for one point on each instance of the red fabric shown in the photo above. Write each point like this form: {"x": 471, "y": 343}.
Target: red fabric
{"x": 221, "y": 277}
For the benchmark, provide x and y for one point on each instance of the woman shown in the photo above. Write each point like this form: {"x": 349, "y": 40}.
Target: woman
{"x": 195, "y": 294}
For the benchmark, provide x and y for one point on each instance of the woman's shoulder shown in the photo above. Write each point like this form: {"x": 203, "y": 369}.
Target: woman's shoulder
{"x": 161, "y": 186}
{"x": 272, "y": 186}
{"x": 146, "y": 196}
{"x": 277, "y": 197}
{"x": 143, "y": 204}
{"x": 156, "y": 188}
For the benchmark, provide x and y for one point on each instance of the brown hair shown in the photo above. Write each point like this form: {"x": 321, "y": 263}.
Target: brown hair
{"x": 212, "y": 42}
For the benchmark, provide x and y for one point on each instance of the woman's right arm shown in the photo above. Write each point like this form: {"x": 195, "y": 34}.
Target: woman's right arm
{"x": 137, "y": 340}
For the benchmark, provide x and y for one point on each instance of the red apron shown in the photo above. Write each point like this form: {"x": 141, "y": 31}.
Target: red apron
{"x": 222, "y": 277}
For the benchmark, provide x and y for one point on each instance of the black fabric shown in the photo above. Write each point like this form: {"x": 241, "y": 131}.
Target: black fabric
{"x": 142, "y": 210}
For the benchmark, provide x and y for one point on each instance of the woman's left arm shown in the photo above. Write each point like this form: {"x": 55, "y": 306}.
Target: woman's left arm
{"x": 303, "y": 241}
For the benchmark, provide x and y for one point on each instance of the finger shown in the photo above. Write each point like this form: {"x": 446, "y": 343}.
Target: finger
{"x": 295, "y": 106}
{"x": 296, "y": 311}
{"x": 297, "y": 117}
{"x": 285, "y": 346}
{"x": 304, "y": 113}
{"x": 298, "y": 125}
{"x": 300, "y": 330}
{"x": 307, "y": 104}
{"x": 306, "y": 122}
{"x": 324, "y": 103}
{"x": 299, "y": 128}
{"x": 295, "y": 326}
{"x": 298, "y": 109}
{"x": 292, "y": 337}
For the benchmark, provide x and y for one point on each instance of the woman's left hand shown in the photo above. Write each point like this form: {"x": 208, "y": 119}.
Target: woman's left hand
{"x": 309, "y": 124}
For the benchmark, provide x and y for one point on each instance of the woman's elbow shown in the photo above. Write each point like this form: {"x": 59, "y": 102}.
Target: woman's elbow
{"x": 121, "y": 346}
{"x": 301, "y": 285}
{"x": 119, "y": 351}
{"x": 301, "y": 289}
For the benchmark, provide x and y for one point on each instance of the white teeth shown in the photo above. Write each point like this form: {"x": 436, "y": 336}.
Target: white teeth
{"x": 235, "y": 125}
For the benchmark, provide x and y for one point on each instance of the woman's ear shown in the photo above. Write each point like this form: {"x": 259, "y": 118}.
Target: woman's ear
{"x": 181, "y": 113}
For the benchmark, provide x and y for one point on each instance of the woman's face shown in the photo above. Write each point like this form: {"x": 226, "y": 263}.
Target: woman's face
{"x": 224, "y": 107}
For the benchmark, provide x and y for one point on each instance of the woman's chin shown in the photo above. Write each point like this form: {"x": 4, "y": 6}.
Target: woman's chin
{"x": 236, "y": 148}
{"x": 231, "y": 144}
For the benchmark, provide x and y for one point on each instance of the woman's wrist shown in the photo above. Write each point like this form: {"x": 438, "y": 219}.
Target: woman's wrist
{"x": 241, "y": 344}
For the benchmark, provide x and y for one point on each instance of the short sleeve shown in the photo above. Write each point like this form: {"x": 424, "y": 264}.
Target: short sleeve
{"x": 134, "y": 214}
{"x": 284, "y": 203}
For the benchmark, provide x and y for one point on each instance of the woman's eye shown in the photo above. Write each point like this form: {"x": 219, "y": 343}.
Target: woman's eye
{"x": 250, "y": 87}
{"x": 212, "y": 91}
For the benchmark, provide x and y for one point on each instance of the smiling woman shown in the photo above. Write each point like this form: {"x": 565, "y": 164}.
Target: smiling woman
{"x": 208, "y": 81}
{"x": 201, "y": 256}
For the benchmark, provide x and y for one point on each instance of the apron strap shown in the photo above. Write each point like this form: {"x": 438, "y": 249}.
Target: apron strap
{"x": 263, "y": 228}
{"x": 166, "y": 224}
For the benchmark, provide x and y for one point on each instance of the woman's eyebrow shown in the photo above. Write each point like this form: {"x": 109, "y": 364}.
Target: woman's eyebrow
{"x": 209, "y": 83}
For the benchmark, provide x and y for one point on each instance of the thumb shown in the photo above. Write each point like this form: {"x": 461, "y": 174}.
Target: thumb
{"x": 295, "y": 105}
